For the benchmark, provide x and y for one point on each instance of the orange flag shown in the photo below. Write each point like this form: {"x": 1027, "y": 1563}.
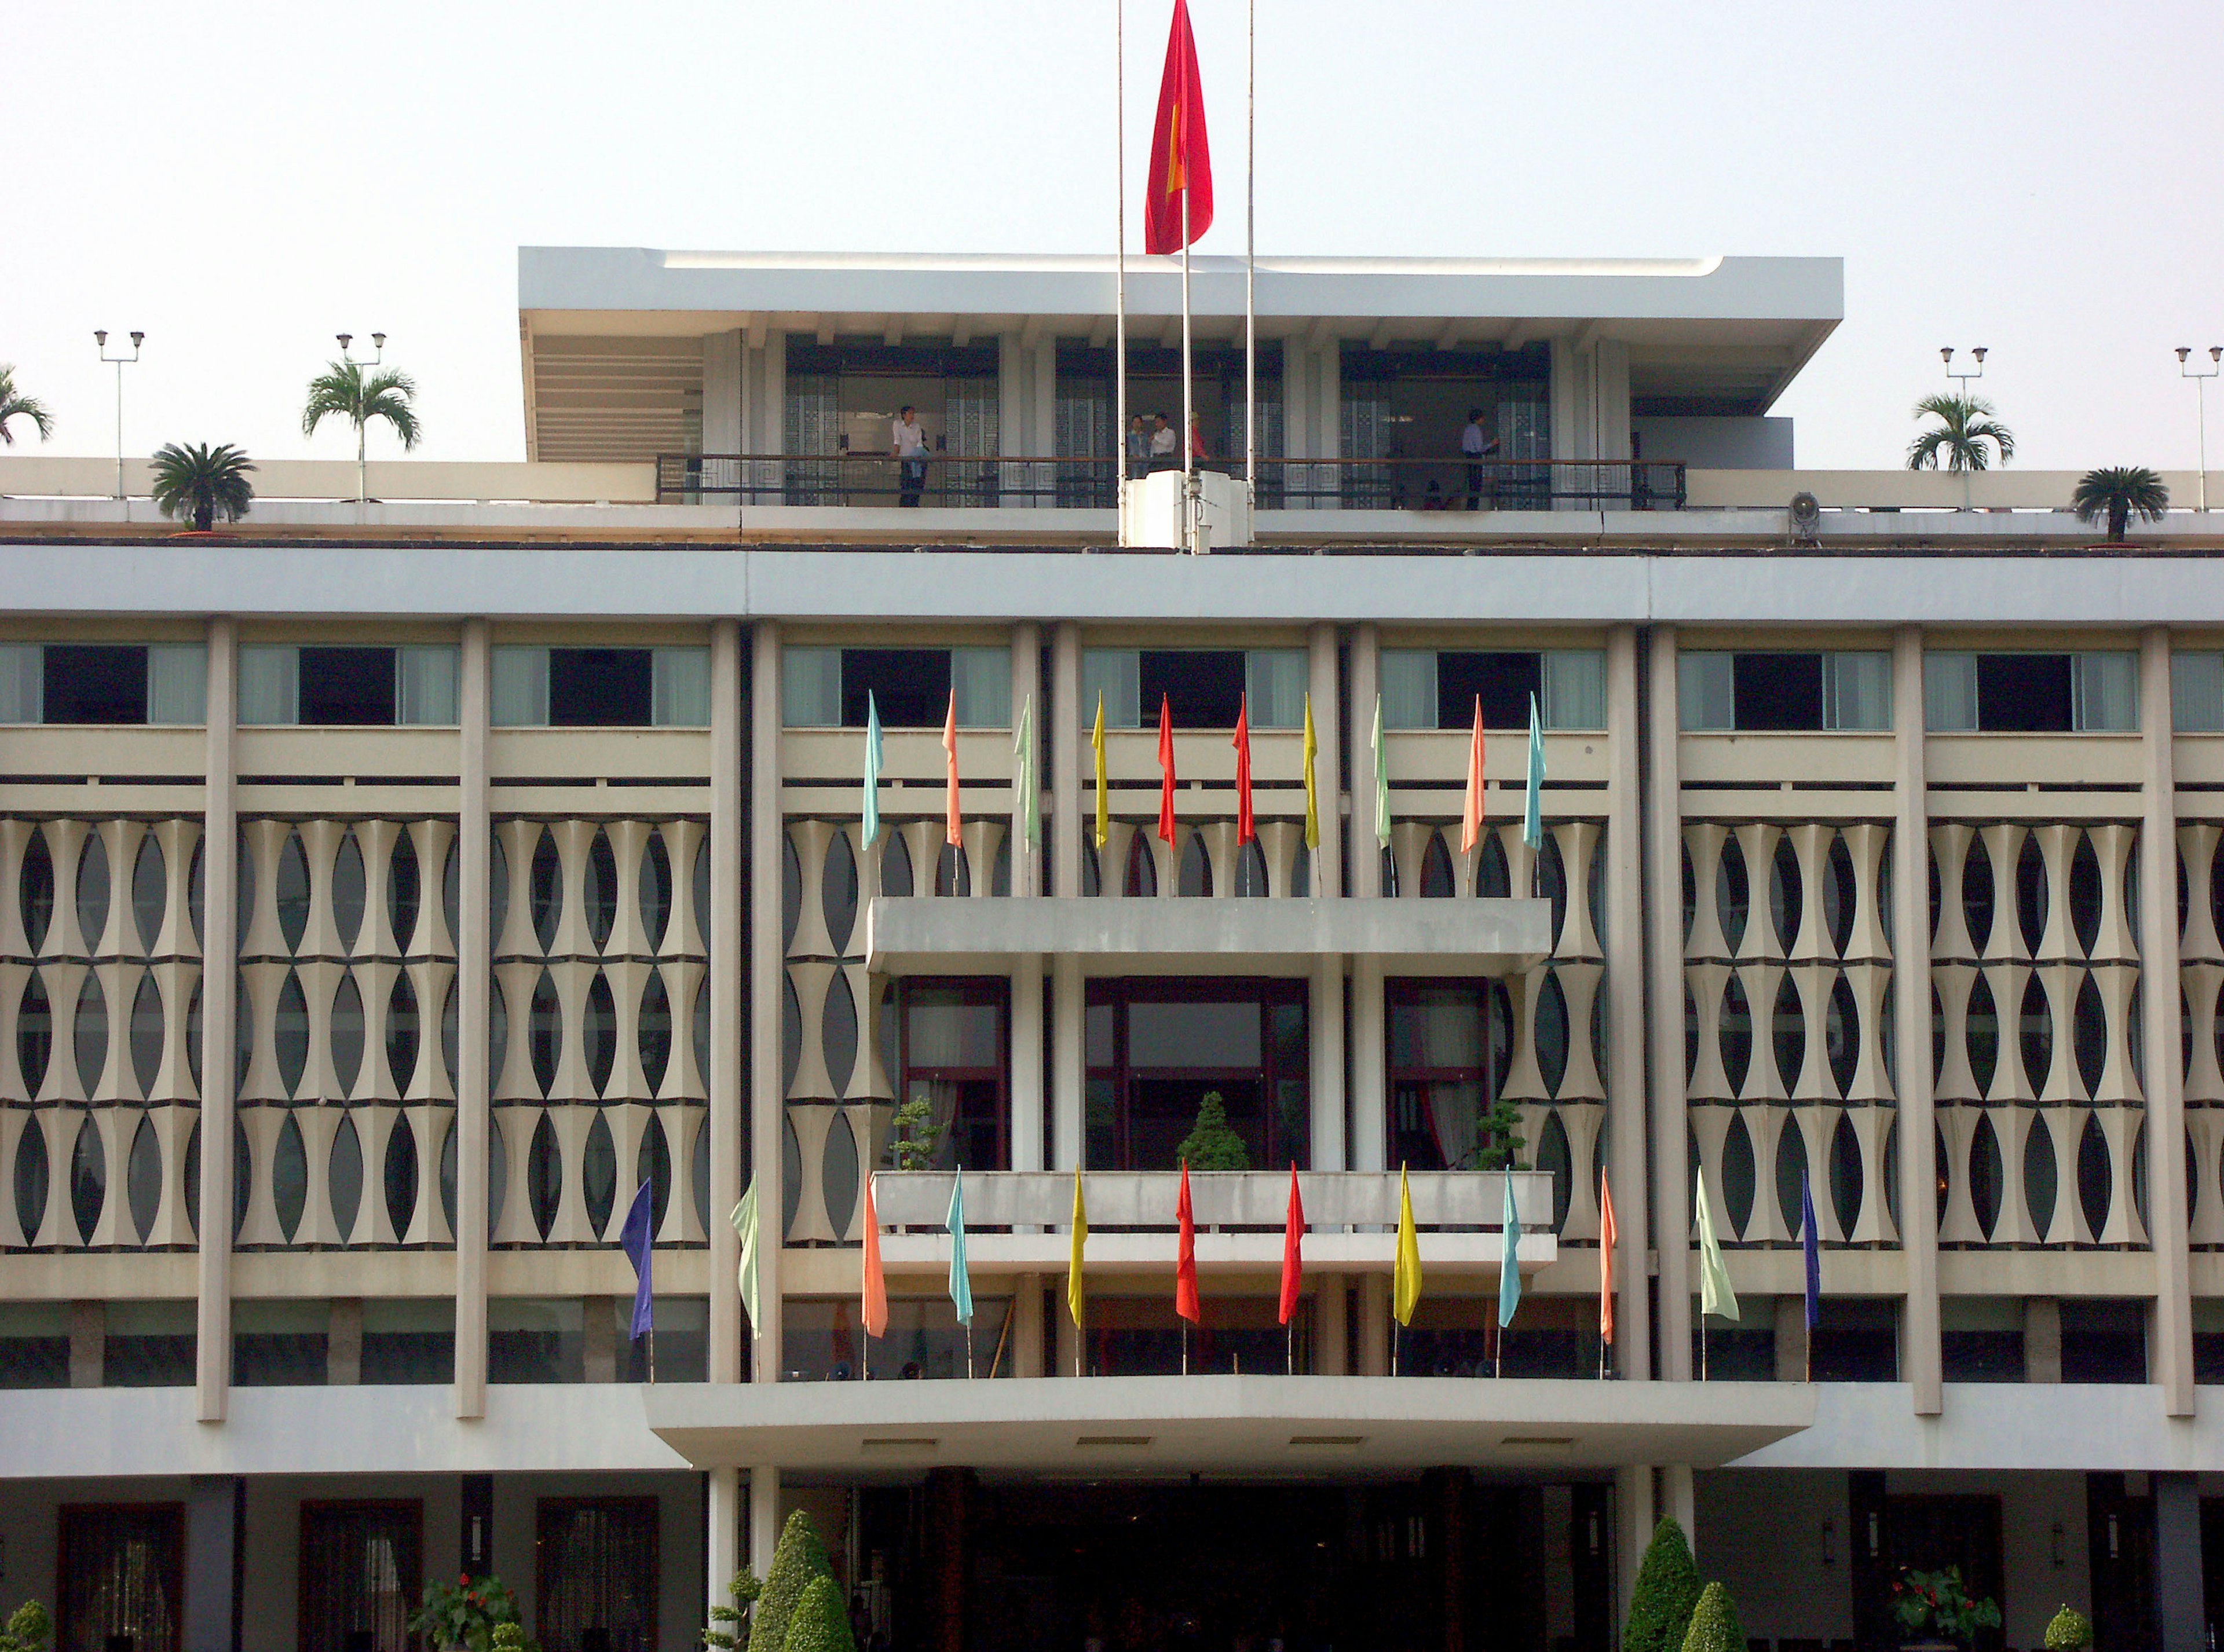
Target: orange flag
{"x": 1181, "y": 160}
{"x": 1245, "y": 830}
{"x": 1471, "y": 815}
{"x": 875, "y": 1310}
{"x": 1293, "y": 1249}
{"x": 1166, "y": 770}
{"x": 1185, "y": 1300}
{"x": 951, "y": 833}
{"x": 1606, "y": 1238}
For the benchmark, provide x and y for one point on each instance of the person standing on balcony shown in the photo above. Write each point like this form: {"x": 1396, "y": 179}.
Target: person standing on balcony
{"x": 910, "y": 449}
{"x": 1478, "y": 446}
{"x": 1138, "y": 448}
{"x": 1165, "y": 448}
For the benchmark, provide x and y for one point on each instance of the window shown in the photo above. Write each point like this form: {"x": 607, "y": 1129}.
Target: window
{"x": 2103, "y": 1341}
{"x": 121, "y": 1572}
{"x": 1445, "y": 1044}
{"x": 910, "y": 688}
{"x": 1156, "y": 1048}
{"x": 954, "y": 1057}
{"x": 276, "y": 1344}
{"x": 408, "y": 1339}
{"x": 2030, "y": 693}
{"x": 1428, "y": 687}
{"x": 160, "y": 684}
{"x": 282, "y": 684}
{"x": 362, "y": 1571}
{"x": 1202, "y": 687}
{"x": 34, "y": 1344}
{"x": 600, "y": 688}
{"x": 148, "y": 1344}
{"x": 596, "y": 1574}
{"x": 535, "y": 1340}
{"x": 1720, "y": 692}
{"x": 2196, "y": 693}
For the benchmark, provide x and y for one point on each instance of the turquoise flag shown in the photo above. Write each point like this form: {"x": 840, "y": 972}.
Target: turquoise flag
{"x": 1509, "y": 1276}
{"x": 872, "y": 769}
{"x": 1532, "y": 826}
{"x": 961, "y": 1280}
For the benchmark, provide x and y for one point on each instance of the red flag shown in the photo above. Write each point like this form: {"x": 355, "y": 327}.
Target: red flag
{"x": 950, "y": 833}
{"x": 875, "y": 1308}
{"x": 1185, "y": 1301}
{"x": 1471, "y": 814}
{"x": 1180, "y": 158}
{"x": 1245, "y": 830}
{"x": 1293, "y": 1249}
{"x": 1606, "y": 1238}
{"x": 1166, "y": 770}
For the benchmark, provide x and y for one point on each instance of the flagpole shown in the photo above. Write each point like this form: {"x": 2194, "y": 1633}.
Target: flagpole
{"x": 1250, "y": 251}
{"x": 1189, "y": 389}
{"x": 1120, "y": 262}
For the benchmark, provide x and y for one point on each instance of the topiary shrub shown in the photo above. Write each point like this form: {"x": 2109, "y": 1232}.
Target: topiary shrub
{"x": 728, "y": 1626}
{"x": 1714, "y": 1626}
{"x": 28, "y": 1630}
{"x": 1667, "y": 1591}
{"x": 1213, "y": 1144}
{"x": 820, "y": 1625}
{"x": 800, "y": 1559}
{"x": 2069, "y": 1632}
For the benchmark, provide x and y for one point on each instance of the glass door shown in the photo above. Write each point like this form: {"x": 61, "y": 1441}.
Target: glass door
{"x": 1161, "y": 1052}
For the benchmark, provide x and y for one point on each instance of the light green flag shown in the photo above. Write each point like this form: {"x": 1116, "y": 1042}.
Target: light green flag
{"x": 1532, "y": 823}
{"x": 745, "y": 1224}
{"x": 1381, "y": 782}
{"x": 1715, "y": 1295}
{"x": 1023, "y": 747}
{"x": 872, "y": 769}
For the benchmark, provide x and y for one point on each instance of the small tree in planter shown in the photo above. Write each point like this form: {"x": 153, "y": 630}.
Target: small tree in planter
{"x": 28, "y": 1630}
{"x": 1936, "y": 1605}
{"x": 1667, "y": 1592}
{"x": 1497, "y": 1138}
{"x": 726, "y": 1630}
{"x": 796, "y": 1563}
{"x": 1714, "y": 1626}
{"x": 2069, "y": 1632}
{"x": 202, "y": 483}
{"x": 819, "y": 1624}
{"x": 1213, "y": 1144}
{"x": 914, "y": 1140}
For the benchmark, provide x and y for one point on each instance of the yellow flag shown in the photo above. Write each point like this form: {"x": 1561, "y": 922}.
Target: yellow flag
{"x": 1077, "y": 1294}
{"x": 1312, "y": 798}
{"x": 1104, "y": 803}
{"x": 1405, "y": 1282}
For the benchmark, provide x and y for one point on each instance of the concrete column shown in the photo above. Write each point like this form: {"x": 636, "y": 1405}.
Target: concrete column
{"x": 214, "y": 1531}
{"x": 1014, "y": 390}
{"x": 1365, "y": 683}
{"x": 1610, "y": 405}
{"x": 88, "y": 1338}
{"x": 1321, "y": 684}
{"x": 1026, "y": 1042}
{"x": 729, "y": 1119}
{"x": 219, "y": 1000}
{"x": 1570, "y": 396}
{"x": 1328, "y": 415}
{"x": 1911, "y": 929}
{"x": 2042, "y": 1339}
{"x": 598, "y": 1340}
{"x": 1068, "y": 1363}
{"x": 1664, "y": 898}
{"x": 474, "y": 976}
{"x": 1374, "y": 1325}
{"x": 772, "y": 409}
{"x": 1791, "y": 1339}
{"x": 1026, "y": 1358}
{"x": 344, "y": 1342}
{"x": 1297, "y": 399}
{"x": 1026, "y": 694}
{"x": 722, "y": 1540}
{"x": 2165, "y": 1085}
{"x": 1332, "y": 1325}
{"x": 2180, "y": 1603}
{"x": 1045, "y": 421}
{"x": 764, "y": 1516}
{"x": 1679, "y": 1493}
{"x": 1633, "y": 1520}
{"x": 1074, "y": 810}
{"x": 1624, "y": 942}
{"x": 1369, "y": 1116}
{"x": 722, "y": 396}
{"x": 768, "y": 972}
{"x": 1324, "y": 1010}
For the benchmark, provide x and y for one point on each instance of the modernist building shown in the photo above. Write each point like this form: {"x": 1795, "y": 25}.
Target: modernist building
{"x": 386, "y": 889}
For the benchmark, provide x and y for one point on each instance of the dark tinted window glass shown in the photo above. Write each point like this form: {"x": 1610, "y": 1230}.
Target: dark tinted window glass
{"x": 1779, "y": 690}
{"x": 598, "y": 688}
{"x": 87, "y": 684}
{"x": 1505, "y": 681}
{"x": 2023, "y": 694}
{"x": 1202, "y": 686}
{"x": 910, "y": 687}
{"x": 347, "y": 686}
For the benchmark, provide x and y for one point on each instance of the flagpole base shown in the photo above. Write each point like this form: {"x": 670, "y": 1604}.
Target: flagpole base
{"x": 1200, "y": 513}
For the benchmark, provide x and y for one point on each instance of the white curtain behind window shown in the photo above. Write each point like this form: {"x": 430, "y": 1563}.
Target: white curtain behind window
{"x": 269, "y": 684}
{"x": 1455, "y": 1117}
{"x": 1857, "y": 691}
{"x": 1575, "y": 689}
{"x": 2105, "y": 689}
{"x": 23, "y": 681}
{"x": 810, "y": 688}
{"x": 2196, "y": 693}
{"x": 518, "y": 688}
{"x": 1117, "y": 673}
{"x": 981, "y": 682}
{"x": 1409, "y": 688}
{"x": 1949, "y": 693}
{"x": 425, "y": 679}
{"x": 1706, "y": 691}
{"x": 1273, "y": 687}
{"x": 679, "y": 688}
{"x": 177, "y": 684}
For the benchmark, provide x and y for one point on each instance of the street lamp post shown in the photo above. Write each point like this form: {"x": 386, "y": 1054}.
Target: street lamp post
{"x": 2200, "y": 404}
{"x": 378, "y": 355}
{"x": 100, "y": 339}
{"x": 1961, "y": 389}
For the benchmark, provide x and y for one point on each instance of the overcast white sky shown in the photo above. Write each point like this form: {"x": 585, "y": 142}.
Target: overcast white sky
{"x": 243, "y": 181}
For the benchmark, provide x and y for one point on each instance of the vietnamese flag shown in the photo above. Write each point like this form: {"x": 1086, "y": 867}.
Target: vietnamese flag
{"x": 1245, "y": 829}
{"x": 1181, "y": 160}
{"x": 1293, "y": 1249}
{"x": 1166, "y": 770}
{"x": 1185, "y": 1300}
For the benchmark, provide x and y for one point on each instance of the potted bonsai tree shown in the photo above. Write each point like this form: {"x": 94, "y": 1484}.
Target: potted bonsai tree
{"x": 1935, "y": 1612}
{"x": 2069, "y": 1632}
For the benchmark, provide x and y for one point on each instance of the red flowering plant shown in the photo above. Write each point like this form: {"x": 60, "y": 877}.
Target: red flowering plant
{"x": 465, "y": 1613}
{"x": 1937, "y": 1603}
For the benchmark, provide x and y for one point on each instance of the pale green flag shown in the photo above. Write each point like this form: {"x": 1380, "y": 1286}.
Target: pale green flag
{"x": 1023, "y": 747}
{"x": 1381, "y": 782}
{"x": 745, "y": 1224}
{"x": 872, "y": 769}
{"x": 1715, "y": 1295}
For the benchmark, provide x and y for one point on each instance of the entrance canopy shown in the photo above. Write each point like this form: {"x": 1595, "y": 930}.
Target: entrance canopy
{"x": 1167, "y": 1426}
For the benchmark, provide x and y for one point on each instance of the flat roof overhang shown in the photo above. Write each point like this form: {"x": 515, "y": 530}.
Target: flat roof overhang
{"x": 1216, "y": 935}
{"x": 1170, "y": 1427}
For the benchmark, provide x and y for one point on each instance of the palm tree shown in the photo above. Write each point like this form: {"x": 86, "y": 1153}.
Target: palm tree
{"x": 15, "y": 405}
{"x": 2119, "y": 493}
{"x": 342, "y": 390}
{"x": 1965, "y": 425}
{"x": 203, "y": 481}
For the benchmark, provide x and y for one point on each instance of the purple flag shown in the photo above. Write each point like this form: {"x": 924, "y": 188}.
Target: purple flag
{"x": 1809, "y": 1244}
{"x": 636, "y": 1238}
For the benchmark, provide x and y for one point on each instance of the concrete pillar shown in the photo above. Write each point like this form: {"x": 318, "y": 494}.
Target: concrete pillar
{"x": 1610, "y": 403}
{"x": 1374, "y": 1325}
{"x": 1026, "y": 696}
{"x": 1075, "y": 810}
{"x": 1791, "y": 1338}
{"x": 1324, "y": 1011}
{"x": 344, "y": 1342}
{"x": 1570, "y": 398}
{"x": 2042, "y": 1339}
{"x": 729, "y": 1111}
{"x": 598, "y": 1340}
{"x": 764, "y": 1516}
{"x": 721, "y": 394}
{"x": 1679, "y": 1497}
{"x": 1911, "y": 929}
{"x": 1365, "y": 683}
{"x": 1332, "y": 1325}
{"x": 768, "y": 972}
{"x": 2165, "y": 1085}
{"x": 2180, "y": 1604}
{"x": 1624, "y": 942}
{"x": 721, "y": 1540}
{"x": 219, "y": 1000}
{"x": 1026, "y": 1357}
{"x": 214, "y": 1531}
{"x": 1633, "y": 1520}
{"x": 1027, "y": 1100}
{"x": 88, "y": 1339}
{"x": 473, "y": 975}
{"x": 1328, "y": 785}
{"x": 1663, "y": 896}
{"x": 1328, "y": 404}
{"x": 1028, "y": 1063}
{"x": 1369, "y": 1117}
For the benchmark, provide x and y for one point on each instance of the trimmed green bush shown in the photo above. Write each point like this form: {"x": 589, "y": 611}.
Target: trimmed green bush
{"x": 799, "y": 1560}
{"x": 1213, "y": 1144}
{"x": 28, "y": 1630}
{"x": 728, "y": 1625}
{"x": 820, "y": 1625}
{"x": 1667, "y": 1592}
{"x": 1714, "y": 1626}
{"x": 2069, "y": 1632}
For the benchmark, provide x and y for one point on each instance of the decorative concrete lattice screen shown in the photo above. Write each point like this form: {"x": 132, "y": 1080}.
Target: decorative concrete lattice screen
{"x": 2201, "y": 981}
{"x": 2035, "y": 1041}
{"x": 1787, "y": 1018}
{"x": 601, "y": 1029}
{"x": 100, "y": 985}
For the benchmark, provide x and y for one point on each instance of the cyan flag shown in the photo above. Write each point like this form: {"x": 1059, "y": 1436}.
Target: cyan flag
{"x": 637, "y": 1238}
{"x": 1509, "y": 1276}
{"x": 872, "y": 769}
{"x": 961, "y": 1280}
{"x": 1532, "y": 825}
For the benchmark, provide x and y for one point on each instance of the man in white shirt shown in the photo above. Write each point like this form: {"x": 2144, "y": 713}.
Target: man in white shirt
{"x": 909, "y": 445}
{"x": 1477, "y": 446}
{"x": 1165, "y": 447}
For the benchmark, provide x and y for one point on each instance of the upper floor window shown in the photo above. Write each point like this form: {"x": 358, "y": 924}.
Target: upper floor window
{"x": 1739, "y": 693}
{"x": 1439, "y": 687}
{"x": 285, "y": 684}
{"x": 2196, "y": 692}
{"x": 125, "y": 683}
{"x": 1201, "y": 688}
{"x": 911, "y": 688}
{"x": 2086, "y": 693}
{"x": 600, "y": 688}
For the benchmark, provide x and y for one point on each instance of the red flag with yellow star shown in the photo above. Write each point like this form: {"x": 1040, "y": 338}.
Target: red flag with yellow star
{"x": 1181, "y": 160}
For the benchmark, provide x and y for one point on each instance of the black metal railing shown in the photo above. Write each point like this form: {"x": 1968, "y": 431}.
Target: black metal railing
{"x": 989, "y": 481}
